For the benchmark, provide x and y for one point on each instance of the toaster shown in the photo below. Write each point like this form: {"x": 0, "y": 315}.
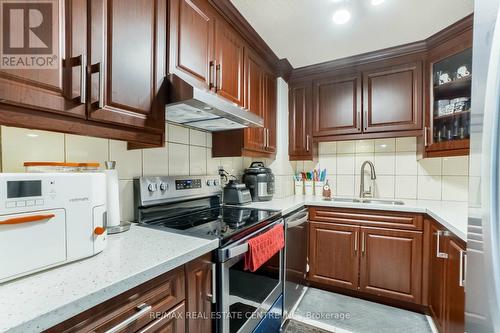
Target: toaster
{"x": 236, "y": 194}
{"x": 49, "y": 219}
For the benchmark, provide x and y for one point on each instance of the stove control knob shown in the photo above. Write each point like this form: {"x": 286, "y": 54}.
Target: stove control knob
{"x": 209, "y": 182}
{"x": 152, "y": 187}
{"x": 215, "y": 182}
{"x": 163, "y": 187}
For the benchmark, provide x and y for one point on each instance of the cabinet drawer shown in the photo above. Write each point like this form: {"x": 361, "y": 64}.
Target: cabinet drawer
{"x": 375, "y": 218}
{"x": 142, "y": 303}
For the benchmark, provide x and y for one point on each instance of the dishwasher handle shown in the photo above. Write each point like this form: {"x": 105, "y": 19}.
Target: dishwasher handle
{"x": 297, "y": 219}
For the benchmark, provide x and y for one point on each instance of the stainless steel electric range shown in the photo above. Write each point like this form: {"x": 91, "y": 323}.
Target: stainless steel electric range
{"x": 245, "y": 301}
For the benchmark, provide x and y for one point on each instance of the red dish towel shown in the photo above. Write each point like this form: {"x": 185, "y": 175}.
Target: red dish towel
{"x": 263, "y": 247}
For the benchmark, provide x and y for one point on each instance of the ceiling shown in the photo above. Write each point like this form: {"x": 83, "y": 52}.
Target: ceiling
{"x": 303, "y": 31}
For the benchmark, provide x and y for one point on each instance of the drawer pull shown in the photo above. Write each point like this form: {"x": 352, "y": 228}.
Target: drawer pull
{"x": 27, "y": 219}
{"x": 440, "y": 254}
{"x": 363, "y": 243}
{"x": 463, "y": 264}
{"x": 355, "y": 242}
{"x": 144, "y": 308}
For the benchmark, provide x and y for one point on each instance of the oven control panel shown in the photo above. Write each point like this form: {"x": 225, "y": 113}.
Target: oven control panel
{"x": 154, "y": 190}
{"x": 187, "y": 184}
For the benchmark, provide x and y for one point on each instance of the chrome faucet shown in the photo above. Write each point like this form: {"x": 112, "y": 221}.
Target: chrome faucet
{"x": 373, "y": 176}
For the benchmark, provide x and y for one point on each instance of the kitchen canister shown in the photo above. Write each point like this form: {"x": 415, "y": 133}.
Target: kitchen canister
{"x": 308, "y": 187}
{"x": 113, "y": 221}
{"x": 299, "y": 187}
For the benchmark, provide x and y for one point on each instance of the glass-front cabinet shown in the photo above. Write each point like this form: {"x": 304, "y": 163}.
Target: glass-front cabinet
{"x": 448, "y": 115}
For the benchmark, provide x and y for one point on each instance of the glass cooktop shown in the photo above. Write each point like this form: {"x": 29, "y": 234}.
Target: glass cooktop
{"x": 227, "y": 223}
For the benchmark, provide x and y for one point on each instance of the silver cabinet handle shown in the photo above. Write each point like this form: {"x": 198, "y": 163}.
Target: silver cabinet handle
{"x": 267, "y": 131}
{"x": 213, "y": 296}
{"x": 440, "y": 254}
{"x": 101, "y": 84}
{"x": 463, "y": 264}
{"x": 83, "y": 78}
{"x": 265, "y": 137}
{"x": 363, "y": 243}
{"x": 426, "y": 133}
{"x": 211, "y": 75}
{"x": 144, "y": 308}
{"x": 169, "y": 316}
{"x": 218, "y": 77}
{"x": 359, "y": 121}
{"x": 307, "y": 142}
{"x": 355, "y": 242}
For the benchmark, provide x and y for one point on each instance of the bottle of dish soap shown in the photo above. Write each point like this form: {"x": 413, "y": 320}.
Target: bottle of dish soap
{"x": 327, "y": 192}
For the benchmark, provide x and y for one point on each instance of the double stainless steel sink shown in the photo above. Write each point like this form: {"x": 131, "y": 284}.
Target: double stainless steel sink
{"x": 367, "y": 201}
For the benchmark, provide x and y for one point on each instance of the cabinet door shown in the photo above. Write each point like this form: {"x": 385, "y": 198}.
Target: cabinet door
{"x": 436, "y": 276}
{"x": 199, "y": 292}
{"x": 171, "y": 322}
{"x": 270, "y": 100}
{"x": 392, "y": 98}
{"x": 455, "y": 292}
{"x": 337, "y": 105}
{"x": 128, "y": 86}
{"x": 333, "y": 254}
{"x": 254, "y": 99}
{"x": 60, "y": 87}
{"x": 191, "y": 44}
{"x": 229, "y": 63}
{"x": 300, "y": 104}
{"x": 386, "y": 250}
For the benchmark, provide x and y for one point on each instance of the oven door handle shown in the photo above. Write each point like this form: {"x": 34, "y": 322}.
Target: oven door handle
{"x": 237, "y": 250}
{"x": 240, "y": 249}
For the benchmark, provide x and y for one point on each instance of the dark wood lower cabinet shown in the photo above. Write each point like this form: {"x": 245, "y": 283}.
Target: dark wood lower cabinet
{"x": 159, "y": 305}
{"x": 333, "y": 254}
{"x": 398, "y": 251}
{"x": 199, "y": 294}
{"x": 446, "y": 280}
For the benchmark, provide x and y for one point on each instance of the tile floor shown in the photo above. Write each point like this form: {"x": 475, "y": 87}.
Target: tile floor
{"x": 322, "y": 311}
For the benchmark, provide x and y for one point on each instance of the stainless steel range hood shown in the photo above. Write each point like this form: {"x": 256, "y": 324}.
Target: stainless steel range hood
{"x": 195, "y": 107}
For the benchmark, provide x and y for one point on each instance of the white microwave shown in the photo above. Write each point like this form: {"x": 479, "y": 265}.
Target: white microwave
{"x": 49, "y": 219}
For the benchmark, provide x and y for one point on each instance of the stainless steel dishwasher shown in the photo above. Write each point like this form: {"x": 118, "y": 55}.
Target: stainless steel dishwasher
{"x": 296, "y": 265}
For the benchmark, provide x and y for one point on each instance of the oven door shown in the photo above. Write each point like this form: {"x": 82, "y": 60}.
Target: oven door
{"x": 245, "y": 297}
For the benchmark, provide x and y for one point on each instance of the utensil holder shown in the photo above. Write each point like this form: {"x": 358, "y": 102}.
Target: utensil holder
{"x": 309, "y": 187}
{"x": 299, "y": 187}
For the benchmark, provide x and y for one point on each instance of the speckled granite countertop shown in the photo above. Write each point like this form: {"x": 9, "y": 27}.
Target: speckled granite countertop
{"x": 451, "y": 214}
{"x": 40, "y": 301}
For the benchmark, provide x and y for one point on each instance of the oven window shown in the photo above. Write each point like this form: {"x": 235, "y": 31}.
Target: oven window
{"x": 249, "y": 290}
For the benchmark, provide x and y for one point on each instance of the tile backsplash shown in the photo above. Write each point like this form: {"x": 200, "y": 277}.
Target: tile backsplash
{"x": 186, "y": 152}
{"x": 399, "y": 173}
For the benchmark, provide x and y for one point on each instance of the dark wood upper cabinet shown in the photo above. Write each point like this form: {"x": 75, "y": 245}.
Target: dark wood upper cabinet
{"x": 127, "y": 86}
{"x": 254, "y": 99}
{"x": 386, "y": 250}
{"x": 59, "y": 89}
{"x": 392, "y": 98}
{"x": 300, "y": 121}
{"x": 337, "y": 105}
{"x": 333, "y": 254}
{"x": 191, "y": 55}
{"x": 229, "y": 58}
{"x": 447, "y": 130}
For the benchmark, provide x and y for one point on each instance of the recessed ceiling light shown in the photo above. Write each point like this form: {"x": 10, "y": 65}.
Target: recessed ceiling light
{"x": 341, "y": 16}
{"x": 32, "y": 135}
{"x": 377, "y": 2}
